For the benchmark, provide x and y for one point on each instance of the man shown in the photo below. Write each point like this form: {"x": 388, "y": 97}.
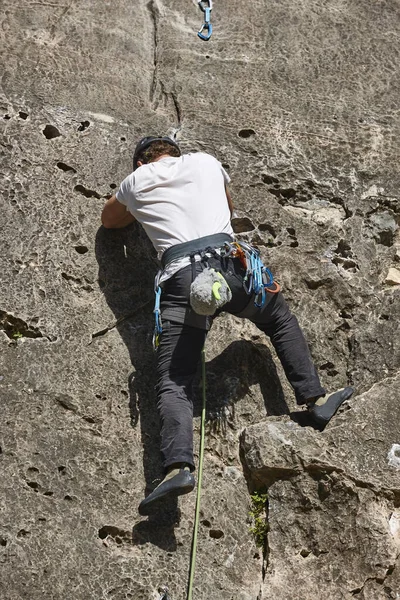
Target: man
{"x": 183, "y": 203}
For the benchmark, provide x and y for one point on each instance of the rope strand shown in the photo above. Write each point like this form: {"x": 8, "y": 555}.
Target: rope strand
{"x": 200, "y": 477}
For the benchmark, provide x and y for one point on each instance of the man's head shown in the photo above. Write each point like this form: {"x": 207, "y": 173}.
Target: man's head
{"x": 150, "y": 148}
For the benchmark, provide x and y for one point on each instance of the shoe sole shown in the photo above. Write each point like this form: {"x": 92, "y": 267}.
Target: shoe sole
{"x": 323, "y": 414}
{"x": 153, "y": 505}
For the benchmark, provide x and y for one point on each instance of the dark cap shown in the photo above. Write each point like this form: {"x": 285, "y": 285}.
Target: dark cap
{"x": 146, "y": 142}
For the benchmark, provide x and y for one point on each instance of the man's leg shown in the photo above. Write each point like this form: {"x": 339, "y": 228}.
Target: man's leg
{"x": 282, "y": 327}
{"x": 178, "y": 356}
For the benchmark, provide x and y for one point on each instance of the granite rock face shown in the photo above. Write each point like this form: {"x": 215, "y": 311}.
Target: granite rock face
{"x": 299, "y": 101}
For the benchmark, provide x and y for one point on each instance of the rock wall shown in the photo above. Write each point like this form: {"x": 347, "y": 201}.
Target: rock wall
{"x": 299, "y": 101}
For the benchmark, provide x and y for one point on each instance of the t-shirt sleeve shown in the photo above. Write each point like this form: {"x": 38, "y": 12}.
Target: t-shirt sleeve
{"x": 125, "y": 193}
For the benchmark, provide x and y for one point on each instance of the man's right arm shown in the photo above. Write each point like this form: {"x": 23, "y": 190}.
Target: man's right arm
{"x": 229, "y": 199}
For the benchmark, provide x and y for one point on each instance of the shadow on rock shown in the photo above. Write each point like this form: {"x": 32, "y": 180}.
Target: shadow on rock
{"x": 302, "y": 418}
{"x": 230, "y": 377}
{"x": 159, "y": 528}
{"x": 127, "y": 265}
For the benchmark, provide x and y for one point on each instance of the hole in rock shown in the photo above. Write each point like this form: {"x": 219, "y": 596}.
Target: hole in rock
{"x": 113, "y": 186}
{"x": 34, "y": 485}
{"x": 246, "y": 133}
{"x": 23, "y": 115}
{"x": 276, "y": 193}
{"x": 1, "y": 450}
{"x": 216, "y": 534}
{"x": 33, "y": 470}
{"x": 397, "y": 453}
{"x": 206, "y": 523}
{"x": 344, "y": 249}
{"x": 23, "y": 533}
{"x": 257, "y": 555}
{"x": 61, "y": 468}
{"x": 294, "y": 244}
{"x": 42, "y": 519}
{"x": 68, "y": 497}
{"x": 114, "y": 532}
{"x": 84, "y": 125}
{"x": 327, "y": 365}
{"x": 254, "y": 153}
{"x": 288, "y": 193}
{"x": 314, "y": 285}
{"x": 269, "y": 179}
{"x": 267, "y": 227}
{"x": 310, "y": 183}
{"x": 207, "y": 56}
{"x": 50, "y": 132}
{"x": 240, "y": 225}
{"x": 3, "y": 542}
{"x": 48, "y": 494}
{"x": 226, "y": 166}
{"x": 7, "y": 117}
{"x": 90, "y": 420}
{"x": 87, "y": 193}
{"x": 65, "y": 167}
{"x": 291, "y": 231}
{"x": 123, "y": 139}
{"x": 304, "y": 553}
{"x": 81, "y": 249}
{"x": 348, "y": 264}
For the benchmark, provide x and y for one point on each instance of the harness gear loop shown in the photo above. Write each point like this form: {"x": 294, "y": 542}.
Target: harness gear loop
{"x": 206, "y": 7}
{"x": 200, "y": 477}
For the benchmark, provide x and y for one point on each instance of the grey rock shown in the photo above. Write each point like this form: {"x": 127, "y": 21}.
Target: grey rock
{"x": 326, "y": 490}
{"x": 300, "y": 104}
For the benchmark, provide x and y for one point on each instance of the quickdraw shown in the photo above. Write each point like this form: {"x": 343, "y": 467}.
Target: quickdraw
{"x": 206, "y": 7}
{"x": 157, "y": 312}
{"x": 258, "y": 278}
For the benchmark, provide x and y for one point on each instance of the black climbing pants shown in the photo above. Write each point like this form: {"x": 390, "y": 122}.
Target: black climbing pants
{"x": 179, "y": 351}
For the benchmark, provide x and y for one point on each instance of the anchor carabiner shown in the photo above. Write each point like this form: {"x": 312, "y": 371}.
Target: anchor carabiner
{"x": 206, "y": 7}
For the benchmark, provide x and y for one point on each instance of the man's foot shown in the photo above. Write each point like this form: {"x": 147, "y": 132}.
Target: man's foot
{"x": 177, "y": 482}
{"x": 323, "y": 409}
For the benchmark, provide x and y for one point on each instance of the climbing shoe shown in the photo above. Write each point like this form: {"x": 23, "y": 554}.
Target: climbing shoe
{"x": 177, "y": 482}
{"x": 323, "y": 409}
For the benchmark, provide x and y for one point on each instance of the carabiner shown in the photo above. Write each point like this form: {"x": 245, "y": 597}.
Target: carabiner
{"x": 201, "y": 4}
{"x": 208, "y": 27}
{"x": 206, "y": 7}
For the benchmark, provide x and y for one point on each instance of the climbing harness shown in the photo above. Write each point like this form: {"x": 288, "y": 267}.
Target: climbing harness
{"x": 206, "y": 7}
{"x": 258, "y": 278}
{"x": 200, "y": 477}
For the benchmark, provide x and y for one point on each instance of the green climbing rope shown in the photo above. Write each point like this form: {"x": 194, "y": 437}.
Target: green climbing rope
{"x": 200, "y": 477}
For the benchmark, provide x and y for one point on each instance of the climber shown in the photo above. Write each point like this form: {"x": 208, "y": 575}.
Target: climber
{"x": 184, "y": 205}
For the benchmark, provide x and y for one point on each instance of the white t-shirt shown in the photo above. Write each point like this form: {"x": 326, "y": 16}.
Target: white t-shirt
{"x": 178, "y": 199}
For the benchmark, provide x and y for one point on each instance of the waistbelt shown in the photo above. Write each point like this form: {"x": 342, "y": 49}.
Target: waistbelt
{"x": 194, "y": 247}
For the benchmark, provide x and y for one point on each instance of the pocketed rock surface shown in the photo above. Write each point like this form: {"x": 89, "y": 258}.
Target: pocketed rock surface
{"x": 299, "y": 101}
